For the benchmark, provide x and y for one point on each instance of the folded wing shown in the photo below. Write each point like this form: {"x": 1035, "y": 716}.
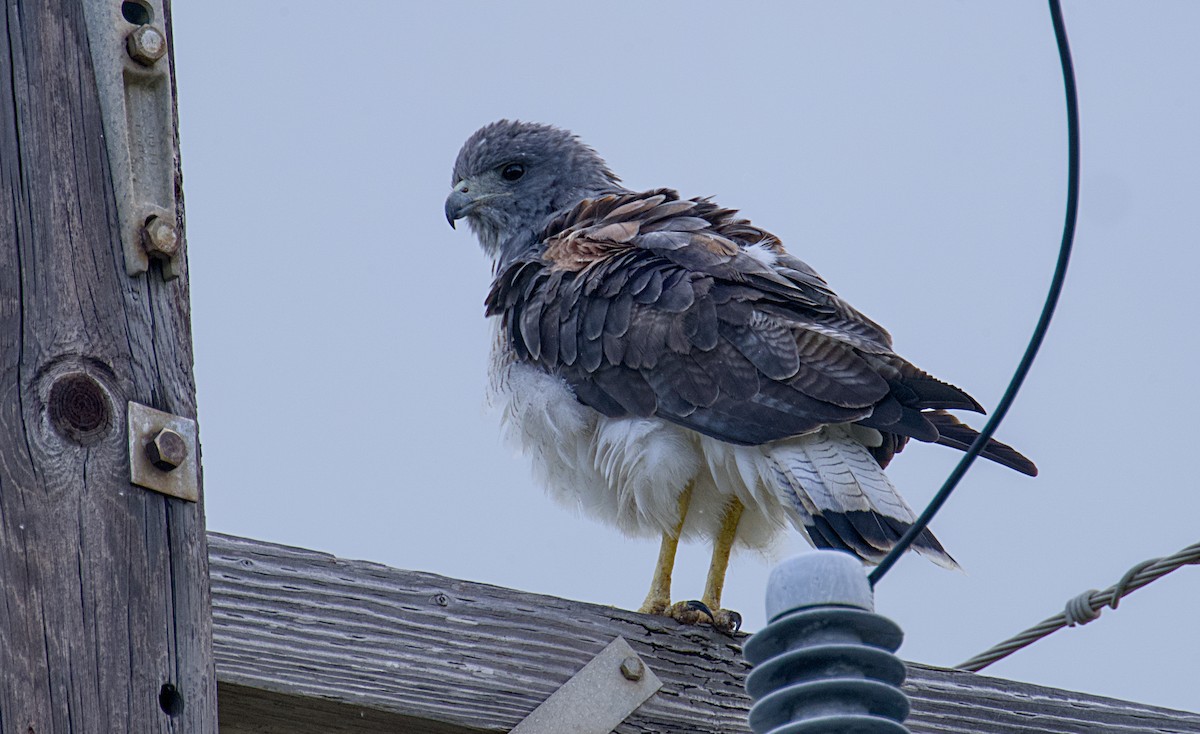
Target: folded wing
{"x": 649, "y": 305}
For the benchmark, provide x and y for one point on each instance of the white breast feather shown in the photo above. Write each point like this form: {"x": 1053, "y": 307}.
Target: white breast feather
{"x": 625, "y": 471}
{"x": 629, "y": 472}
{"x": 648, "y": 463}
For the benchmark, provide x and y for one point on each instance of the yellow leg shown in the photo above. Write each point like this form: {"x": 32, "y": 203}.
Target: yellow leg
{"x": 722, "y": 546}
{"x": 659, "y": 597}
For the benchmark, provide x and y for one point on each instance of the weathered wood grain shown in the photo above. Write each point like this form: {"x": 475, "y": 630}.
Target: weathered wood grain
{"x": 103, "y": 585}
{"x": 307, "y": 642}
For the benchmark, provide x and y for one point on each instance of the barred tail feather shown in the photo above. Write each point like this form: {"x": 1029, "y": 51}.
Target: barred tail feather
{"x": 838, "y": 496}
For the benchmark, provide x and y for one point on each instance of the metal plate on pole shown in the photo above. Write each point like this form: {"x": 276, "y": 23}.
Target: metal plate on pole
{"x": 128, "y": 41}
{"x": 597, "y": 698}
{"x": 163, "y": 452}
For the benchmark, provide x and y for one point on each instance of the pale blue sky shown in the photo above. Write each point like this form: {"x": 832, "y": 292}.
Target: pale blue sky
{"x": 913, "y": 153}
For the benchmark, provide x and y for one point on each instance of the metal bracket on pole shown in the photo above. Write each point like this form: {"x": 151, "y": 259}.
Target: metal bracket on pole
{"x": 163, "y": 452}
{"x": 597, "y": 698}
{"x": 129, "y": 53}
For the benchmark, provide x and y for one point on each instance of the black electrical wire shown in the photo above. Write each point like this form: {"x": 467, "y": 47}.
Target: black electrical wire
{"x": 1039, "y": 333}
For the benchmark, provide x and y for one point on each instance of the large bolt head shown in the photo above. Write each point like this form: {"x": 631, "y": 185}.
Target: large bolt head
{"x": 632, "y": 668}
{"x": 160, "y": 237}
{"x": 146, "y": 45}
{"x": 167, "y": 450}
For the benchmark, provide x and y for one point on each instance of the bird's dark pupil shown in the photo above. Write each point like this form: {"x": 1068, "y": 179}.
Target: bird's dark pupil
{"x": 513, "y": 171}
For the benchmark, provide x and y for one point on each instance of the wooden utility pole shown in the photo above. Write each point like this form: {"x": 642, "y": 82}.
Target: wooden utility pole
{"x": 105, "y": 619}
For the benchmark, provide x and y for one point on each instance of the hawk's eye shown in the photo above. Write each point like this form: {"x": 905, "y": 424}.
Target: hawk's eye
{"x": 512, "y": 172}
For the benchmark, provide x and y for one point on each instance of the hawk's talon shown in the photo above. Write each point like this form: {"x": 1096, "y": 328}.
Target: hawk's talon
{"x": 697, "y": 612}
{"x": 701, "y": 607}
{"x": 727, "y": 621}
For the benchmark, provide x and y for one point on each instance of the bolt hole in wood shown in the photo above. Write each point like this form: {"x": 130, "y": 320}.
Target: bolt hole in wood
{"x": 138, "y": 13}
{"x": 170, "y": 700}
{"x": 80, "y": 409}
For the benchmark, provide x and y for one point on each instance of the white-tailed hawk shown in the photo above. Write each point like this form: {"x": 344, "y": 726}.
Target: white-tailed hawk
{"x": 671, "y": 369}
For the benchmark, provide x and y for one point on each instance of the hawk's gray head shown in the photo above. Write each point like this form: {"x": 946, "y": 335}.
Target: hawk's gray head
{"x": 511, "y": 176}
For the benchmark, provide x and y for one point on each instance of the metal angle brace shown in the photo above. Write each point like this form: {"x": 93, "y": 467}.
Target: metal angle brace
{"x": 128, "y": 40}
{"x": 597, "y": 698}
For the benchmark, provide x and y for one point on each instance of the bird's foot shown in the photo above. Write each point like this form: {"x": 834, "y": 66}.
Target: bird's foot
{"x": 697, "y": 612}
{"x": 689, "y": 612}
{"x": 655, "y": 605}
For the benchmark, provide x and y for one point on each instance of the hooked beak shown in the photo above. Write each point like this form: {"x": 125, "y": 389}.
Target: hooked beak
{"x": 458, "y": 205}
{"x": 462, "y": 201}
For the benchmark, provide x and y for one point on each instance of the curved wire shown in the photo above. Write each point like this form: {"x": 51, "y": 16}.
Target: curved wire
{"x": 1039, "y": 333}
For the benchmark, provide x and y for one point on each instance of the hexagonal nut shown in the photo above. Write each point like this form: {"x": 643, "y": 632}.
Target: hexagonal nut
{"x": 167, "y": 450}
{"x": 159, "y": 237}
{"x": 146, "y": 45}
{"x": 633, "y": 668}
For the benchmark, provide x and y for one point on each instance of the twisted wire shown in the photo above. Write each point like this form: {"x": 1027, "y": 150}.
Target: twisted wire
{"x": 1086, "y": 607}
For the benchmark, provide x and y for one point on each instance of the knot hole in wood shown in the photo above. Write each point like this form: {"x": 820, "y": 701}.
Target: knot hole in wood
{"x": 79, "y": 408}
